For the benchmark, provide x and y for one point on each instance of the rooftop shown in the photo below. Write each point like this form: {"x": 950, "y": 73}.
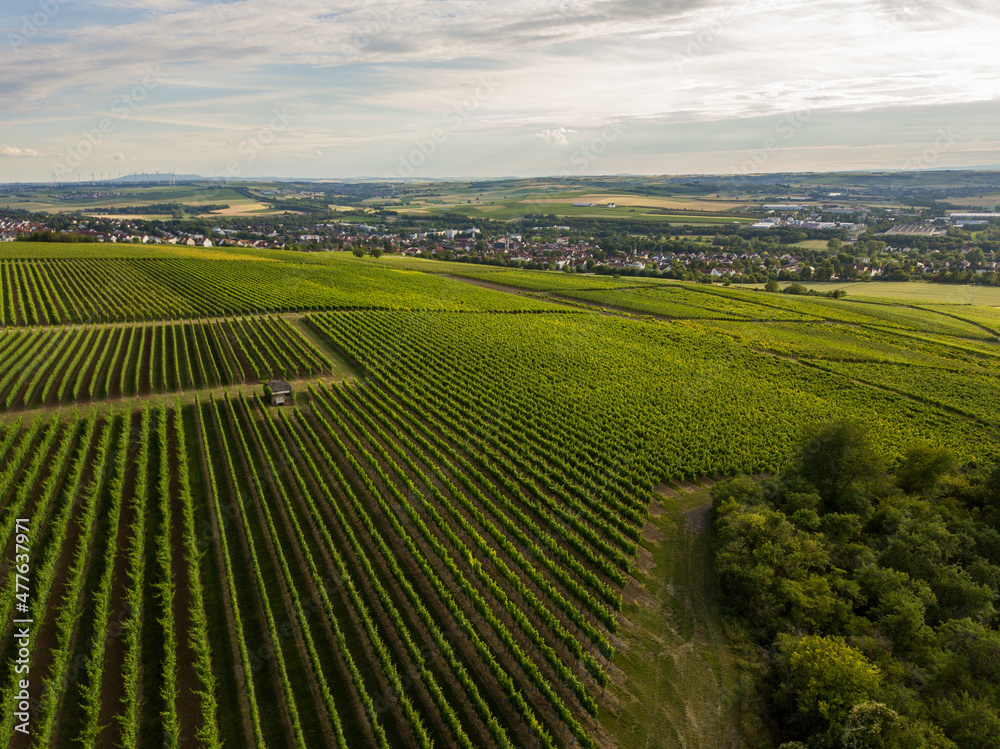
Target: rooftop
{"x": 279, "y": 387}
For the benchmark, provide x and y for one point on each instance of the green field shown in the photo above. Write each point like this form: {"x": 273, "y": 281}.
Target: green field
{"x": 505, "y": 210}
{"x": 915, "y": 291}
{"x": 456, "y": 535}
{"x": 812, "y": 244}
{"x": 865, "y": 302}
{"x": 112, "y": 250}
{"x": 86, "y": 198}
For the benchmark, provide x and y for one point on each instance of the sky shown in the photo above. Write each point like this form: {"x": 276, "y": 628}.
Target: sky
{"x": 493, "y": 88}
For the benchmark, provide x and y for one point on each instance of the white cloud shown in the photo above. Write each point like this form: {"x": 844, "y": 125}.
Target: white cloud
{"x": 556, "y": 135}
{"x": 14, "y": 152}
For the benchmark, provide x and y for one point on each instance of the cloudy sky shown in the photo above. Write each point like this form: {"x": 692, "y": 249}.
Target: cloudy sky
{"x": 489, "y": 88}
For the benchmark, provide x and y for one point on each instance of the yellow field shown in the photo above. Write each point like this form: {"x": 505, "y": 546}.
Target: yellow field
{"x": 129, "y": 216}
{"x": 240, "y": 210}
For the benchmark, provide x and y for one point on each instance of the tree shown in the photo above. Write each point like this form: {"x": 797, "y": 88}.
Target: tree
{"x": 376, "y": 252}
{"x": 774, "y": 573}
{"x": 823, "y": 679}
{"x": 971, "y": 722}
{"x": 898, "y": 603}
{"x": 839, "y": 461}
{"x": 742, "y": 490}
{"x": 871, "y": 725}
{"x": 990, "y": 493}
{"x": 922, "y": 468}
{"x": 358, "y": 252}
{"x": 772, "y": 286}
{"x": 973, "y": 655}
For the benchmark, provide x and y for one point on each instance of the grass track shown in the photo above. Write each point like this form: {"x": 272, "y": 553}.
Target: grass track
{"x": 680, "y": 665}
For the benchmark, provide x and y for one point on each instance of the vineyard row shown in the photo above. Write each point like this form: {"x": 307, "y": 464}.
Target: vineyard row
{"x": 51, "y": 366}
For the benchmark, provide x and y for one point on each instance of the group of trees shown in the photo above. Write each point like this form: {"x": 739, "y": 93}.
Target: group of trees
{"x": 798, "y": 289}
{"x": 47, "y": 235}
{"x": 375, "y": 249}
{"x": 873, "y": 593}
{"x": 175, "y": 210}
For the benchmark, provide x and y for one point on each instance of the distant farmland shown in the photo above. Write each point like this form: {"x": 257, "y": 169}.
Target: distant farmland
{"x": 518, "y": 209}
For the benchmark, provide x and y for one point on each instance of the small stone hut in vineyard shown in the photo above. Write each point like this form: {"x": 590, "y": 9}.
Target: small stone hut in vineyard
{"x": 279, "y": 392}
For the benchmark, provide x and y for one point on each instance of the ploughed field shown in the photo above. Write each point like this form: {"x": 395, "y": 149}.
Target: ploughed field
{"x": 433, "y": 552}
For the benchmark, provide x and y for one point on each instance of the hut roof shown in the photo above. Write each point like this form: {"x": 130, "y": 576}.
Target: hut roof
{"x": 280, "y": 387}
